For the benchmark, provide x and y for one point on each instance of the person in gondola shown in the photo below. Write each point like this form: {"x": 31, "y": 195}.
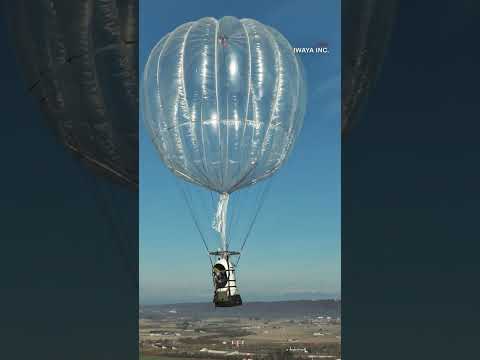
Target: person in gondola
{"x": 220, "y": 277}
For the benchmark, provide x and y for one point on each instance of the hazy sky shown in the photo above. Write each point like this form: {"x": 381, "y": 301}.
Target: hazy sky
{"x": 296, "y": 240}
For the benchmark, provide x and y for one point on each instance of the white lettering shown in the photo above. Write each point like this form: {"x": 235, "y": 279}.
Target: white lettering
{"x": 311, "y": 50}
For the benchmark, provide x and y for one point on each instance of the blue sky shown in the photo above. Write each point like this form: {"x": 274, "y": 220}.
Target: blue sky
{"x": 297, "y": 235}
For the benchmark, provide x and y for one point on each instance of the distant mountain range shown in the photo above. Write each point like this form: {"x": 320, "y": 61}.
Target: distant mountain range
{"x": 297, "y": 309}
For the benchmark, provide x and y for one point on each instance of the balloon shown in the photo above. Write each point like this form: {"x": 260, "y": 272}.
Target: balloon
{"x": 366, "y": 27}
{"x": 80, "y": 59}
{"x": 224, "y": 102}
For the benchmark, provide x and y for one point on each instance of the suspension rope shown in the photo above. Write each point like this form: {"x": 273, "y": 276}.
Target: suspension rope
{"x": 213, "y": 201}
{"x": 263, "y": 195}
{"x": 237, "y": 207}
{"x": 194, "y": 217}
{"x": 123, "y": 236}
{"x": 103, "y": 206}
{"x": 230, "y": 217}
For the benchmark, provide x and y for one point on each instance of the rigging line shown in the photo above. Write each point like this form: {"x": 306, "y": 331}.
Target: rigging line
{"x": 238, "y": 204}
{"x": 118, "y": 215}
{"x": 230, "y": 216}
{"x": 260, "y": 205}
{"x": 201, "y": 196}
{"x": 227, "y": 227}
{"x": 213, "y": 202}
{"x": 254, "y": 198}
{"x": 110, "y": 223}
{"x": 196, "y": 193}
{"x": 115, "y": 231}
{"x": 195, "y": 220}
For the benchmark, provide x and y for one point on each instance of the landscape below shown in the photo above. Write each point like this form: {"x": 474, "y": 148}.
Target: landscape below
{"x": 259, "y": 330}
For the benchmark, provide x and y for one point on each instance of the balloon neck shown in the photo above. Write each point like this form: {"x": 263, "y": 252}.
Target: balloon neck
{"x": 220, "y": 220}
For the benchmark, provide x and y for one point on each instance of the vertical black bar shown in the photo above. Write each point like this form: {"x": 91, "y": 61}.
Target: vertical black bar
{"x": 68, "y": 209}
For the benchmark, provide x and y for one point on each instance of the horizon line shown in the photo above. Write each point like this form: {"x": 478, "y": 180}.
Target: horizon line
{"x": 250, "y": 302}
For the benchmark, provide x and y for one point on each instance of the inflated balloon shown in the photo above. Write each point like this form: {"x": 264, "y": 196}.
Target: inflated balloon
{"x": 366, "y": 27}
{"x": 224, "y": 102}
{"x": 80, "y": 61}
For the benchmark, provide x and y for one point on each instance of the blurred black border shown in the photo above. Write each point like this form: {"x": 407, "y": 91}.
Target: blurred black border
{"x": 410, "y": 194}
{"x": 68, "y": 284}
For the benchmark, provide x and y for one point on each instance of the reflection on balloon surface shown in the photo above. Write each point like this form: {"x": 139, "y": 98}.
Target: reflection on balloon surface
{"x": 366, "y": 27}
{"x": 79, "y": 60}
{"x": 224, "y": 101}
